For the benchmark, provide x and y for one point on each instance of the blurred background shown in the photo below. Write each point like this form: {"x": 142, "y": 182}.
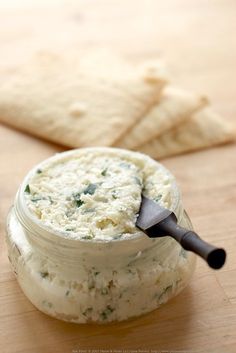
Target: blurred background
{"x": 194, "y": 37}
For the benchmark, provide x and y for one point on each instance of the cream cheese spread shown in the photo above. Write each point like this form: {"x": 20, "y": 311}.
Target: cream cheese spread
{"x": 96, "y": 195}
{"x": 73, "y": 243}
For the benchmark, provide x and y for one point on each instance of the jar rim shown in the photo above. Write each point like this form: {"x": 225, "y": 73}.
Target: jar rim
{"x": 28, "y": 220}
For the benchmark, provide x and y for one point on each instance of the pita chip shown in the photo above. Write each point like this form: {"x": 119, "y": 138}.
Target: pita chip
{"x": 202, "y": 130}
{"x": 56, "y": 98}
{"x": 174, "y": 107}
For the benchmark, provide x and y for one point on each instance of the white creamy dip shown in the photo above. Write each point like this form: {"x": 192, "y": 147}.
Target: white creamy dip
{"x": 73, "y": 243}
{"x": 96, "y": 195}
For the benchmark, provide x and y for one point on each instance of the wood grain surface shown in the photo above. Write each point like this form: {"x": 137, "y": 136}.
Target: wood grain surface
{"x": 197, "y": 40}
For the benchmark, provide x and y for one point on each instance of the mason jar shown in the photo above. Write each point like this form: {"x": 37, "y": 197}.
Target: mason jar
{"x": 95, "y": 281}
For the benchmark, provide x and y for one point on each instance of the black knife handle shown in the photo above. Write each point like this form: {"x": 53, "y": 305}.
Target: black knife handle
{"x": 215, "y": 257}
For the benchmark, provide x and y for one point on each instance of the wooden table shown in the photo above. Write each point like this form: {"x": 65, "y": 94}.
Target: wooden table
{"x": 197, "y": 40}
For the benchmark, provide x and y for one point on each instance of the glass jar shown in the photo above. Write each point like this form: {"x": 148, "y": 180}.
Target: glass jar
{"x": 85, "y": 281}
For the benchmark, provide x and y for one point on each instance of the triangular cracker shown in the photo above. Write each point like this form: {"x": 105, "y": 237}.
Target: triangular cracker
{"x": 56, "y": 98}
{"x": 174, "y": 107}
{"x": 203, "y": 129}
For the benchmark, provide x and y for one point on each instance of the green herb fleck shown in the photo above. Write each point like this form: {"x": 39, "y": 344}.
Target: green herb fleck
{"x": 138, "y": 181}
{"x": 77, "y": 199}
{"x": 67, "y": 293}
{"x": 27, "y": 189}
{"x": 90, "y": 189}
{"x": 106, "y": 312}
{"x": 96, "y": 273}
{"x": 104, "y": 172}
{"x": 89, "y": 210}
{"x": 87, "y": 311}
{"x": 165, "y": 290}
{"x": 168, "y": 288}
{"x": 125, "y": 165}
{"x": 46, "y": 303}
{"x": 44, "y": 274}
{"x": 158, "y": 198}
{"x": 37, "y": 198}
{"x": 50, "y": 199}
{"x": 87, "y": 237}
{"x": 39, "y": 171}
{"x": 79, "y": 203}
{"x": 117, "y": 236}
{"x": 114, "y": 195}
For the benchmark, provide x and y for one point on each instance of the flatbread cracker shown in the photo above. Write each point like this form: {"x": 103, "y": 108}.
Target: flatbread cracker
{"x": 203, "y": 129}
{"x": 174, "y": 107}
{"x": 56, "y": 98}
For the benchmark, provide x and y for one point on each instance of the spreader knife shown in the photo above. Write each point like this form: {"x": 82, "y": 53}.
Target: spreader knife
{"x": 157, "y": 221}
